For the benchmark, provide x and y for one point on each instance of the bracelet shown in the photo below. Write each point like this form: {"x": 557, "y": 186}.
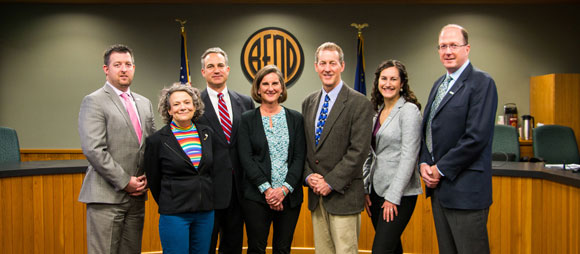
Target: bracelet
{"x": 283, "y": 192}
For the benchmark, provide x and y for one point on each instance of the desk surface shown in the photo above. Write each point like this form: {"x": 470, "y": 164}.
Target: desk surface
{"x": 516, "y": 169}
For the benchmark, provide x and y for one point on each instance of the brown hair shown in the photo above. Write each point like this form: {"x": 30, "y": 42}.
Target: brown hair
{"x": 258, "y": 80}
{"x": 377, "y": 98}
{"x": 163, "y": 106}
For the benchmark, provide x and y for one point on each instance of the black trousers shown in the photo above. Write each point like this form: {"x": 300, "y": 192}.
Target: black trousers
{"x": 388, "y": 234}
{"x": 229, "y": 225}
{"x": 259, "y": 217}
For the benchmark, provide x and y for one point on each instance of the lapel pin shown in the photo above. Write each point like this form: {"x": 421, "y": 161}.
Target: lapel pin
{"x": 451, "y": 92}
{"x": 205, "y": 137}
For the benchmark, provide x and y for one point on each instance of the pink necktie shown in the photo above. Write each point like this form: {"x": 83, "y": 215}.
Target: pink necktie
{"x": 132, "y": 115}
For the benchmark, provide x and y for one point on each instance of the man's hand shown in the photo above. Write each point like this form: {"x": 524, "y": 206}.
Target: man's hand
{"x": 137, "y": 186}
{"x": 368, "y": 204}
{"x": 313, "y": 179}
{"x": 322, "y": 188}
{"x": 430, "y": 175}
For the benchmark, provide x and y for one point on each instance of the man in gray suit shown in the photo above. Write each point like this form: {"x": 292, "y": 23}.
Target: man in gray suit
{"x": 337, "y": 124}
{"x": 113, "y": 125}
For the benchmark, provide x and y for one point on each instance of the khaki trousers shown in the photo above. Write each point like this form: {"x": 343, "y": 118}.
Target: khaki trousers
{"x": 335, "y": 234}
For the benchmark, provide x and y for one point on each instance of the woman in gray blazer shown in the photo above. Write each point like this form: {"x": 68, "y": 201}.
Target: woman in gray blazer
{"x": 271, "y": 146}
{"x": 391, "y": 178}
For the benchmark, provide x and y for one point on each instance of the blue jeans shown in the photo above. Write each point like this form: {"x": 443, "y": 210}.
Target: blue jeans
{"x": 186, "y": 232}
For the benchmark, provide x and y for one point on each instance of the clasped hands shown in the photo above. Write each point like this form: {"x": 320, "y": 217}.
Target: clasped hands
{"x": 137, "y": 186}
{"x": 274, "y": 197}
{"x": 318, "y": 184}
{"x": 430, "y": 175}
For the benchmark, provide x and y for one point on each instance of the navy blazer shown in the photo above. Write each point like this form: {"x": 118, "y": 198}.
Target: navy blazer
{"x": 255, "y": 155}
{"x": 227, "y": 173}
{"x": 462, "y": 131}
{"x": 175, "y": 184}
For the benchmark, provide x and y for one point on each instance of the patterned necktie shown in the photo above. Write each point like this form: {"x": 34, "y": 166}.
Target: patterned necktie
{"x": 438, "y": 98}
{"x": 132, "y": 115}
{"x": 321, "y": 120}
{"x": 224, "y": 116}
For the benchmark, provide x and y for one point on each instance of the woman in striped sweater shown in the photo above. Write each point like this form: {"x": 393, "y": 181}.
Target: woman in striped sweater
{"x": 178, "y": 164}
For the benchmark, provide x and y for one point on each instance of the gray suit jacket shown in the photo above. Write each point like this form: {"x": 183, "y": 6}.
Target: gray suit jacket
{"x": 391, "y": 168}
{"x": 341, "y": 151}
{"x": 111, "y": 146}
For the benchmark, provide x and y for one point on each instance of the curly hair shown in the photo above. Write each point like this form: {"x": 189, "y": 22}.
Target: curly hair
{"x": 376, "y": 96}
{"x": 164, "y": 106}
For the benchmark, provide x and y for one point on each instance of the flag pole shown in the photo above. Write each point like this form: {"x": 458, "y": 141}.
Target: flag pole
{"x": 359, "y": 80}
{"x": 184, "y": 76}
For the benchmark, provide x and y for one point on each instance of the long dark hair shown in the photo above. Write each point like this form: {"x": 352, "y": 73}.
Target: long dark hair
{"x": 377, "y": 98}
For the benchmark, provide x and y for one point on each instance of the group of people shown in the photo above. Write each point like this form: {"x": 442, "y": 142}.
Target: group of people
{"x": 219, "y": 161}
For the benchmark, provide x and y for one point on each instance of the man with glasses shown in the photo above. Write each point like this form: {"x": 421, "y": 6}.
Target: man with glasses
{"x": 223, "y": 111}
{"x": 455, "y": 158}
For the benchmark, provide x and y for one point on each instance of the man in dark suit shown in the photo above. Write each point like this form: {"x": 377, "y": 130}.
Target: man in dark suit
{"x": 223, "y": 111}
{"x": 113, "y": 125}
{"x": 455, "y": 158}
{"x": 337, "y": 124}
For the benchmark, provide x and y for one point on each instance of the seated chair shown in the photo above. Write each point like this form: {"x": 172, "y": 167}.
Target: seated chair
{"x": 506, "y": 146}
{"x": 9, "y": 147}
{"x": 555, "y": 144}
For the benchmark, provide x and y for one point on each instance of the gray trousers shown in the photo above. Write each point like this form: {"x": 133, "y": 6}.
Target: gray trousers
{"x": 460, "y": 231}
{"x": 115, "y": 228}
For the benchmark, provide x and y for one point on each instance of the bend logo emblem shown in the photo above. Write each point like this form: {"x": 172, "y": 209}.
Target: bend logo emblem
{"x": 272, "y": 45}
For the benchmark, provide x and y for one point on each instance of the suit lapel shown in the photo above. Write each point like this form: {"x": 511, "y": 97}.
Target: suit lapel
{"x": 335, "y": 112}
{"x": 171, "y": 142}
{"x": 237, "y": 115}
{"x": 122, "y": 110}
{"x": 142, "y": 107}
{"x": 396, "y": 109}
{"x": 458, "y": 85}
{"x": 310, "y": 117}
{"x": 212, "y": 118}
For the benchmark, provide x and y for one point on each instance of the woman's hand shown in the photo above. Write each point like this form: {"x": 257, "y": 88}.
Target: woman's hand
{"x": 389, "y": 211}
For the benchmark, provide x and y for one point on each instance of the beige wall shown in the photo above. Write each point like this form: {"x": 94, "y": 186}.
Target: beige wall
{"x": 51, "y": 55}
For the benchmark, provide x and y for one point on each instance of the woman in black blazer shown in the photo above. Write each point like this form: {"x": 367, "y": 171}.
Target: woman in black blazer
{"x": 271, "y": 146}
{"x": 178, "y": 164}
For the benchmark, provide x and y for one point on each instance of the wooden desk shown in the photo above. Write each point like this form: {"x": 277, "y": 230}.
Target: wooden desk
{"x": 534, "y": 210}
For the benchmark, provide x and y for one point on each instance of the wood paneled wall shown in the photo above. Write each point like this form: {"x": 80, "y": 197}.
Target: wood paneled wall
{"x": 41, "y": 214}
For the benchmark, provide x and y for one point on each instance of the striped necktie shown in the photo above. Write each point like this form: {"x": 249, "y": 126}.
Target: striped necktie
{"x": 441, "y": 92}
{"x": 224, "y": 116}
{"x": 321, "y": 120}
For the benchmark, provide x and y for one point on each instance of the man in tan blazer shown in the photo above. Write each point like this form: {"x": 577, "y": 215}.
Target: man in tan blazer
{"x": 113, "y": 125}
{"x": 337, "y": 124}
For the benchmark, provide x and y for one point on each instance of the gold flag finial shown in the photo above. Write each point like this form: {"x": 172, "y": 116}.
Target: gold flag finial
{"x": 359, "y": 27}
{"x": 182, "y": 23}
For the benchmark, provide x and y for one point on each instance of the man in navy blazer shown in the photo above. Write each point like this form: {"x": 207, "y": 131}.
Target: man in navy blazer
{"x": 455, "y": 158}
{"x": 227, "y": 172}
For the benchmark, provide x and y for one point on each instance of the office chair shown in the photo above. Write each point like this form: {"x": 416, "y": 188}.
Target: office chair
{"x": 506, "y": 146}
{"x": 555, "y": 144}
{"x": 9, "y": 147}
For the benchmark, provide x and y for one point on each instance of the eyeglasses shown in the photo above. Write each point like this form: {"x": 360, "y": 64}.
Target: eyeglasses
{"x": 453, "y": 47}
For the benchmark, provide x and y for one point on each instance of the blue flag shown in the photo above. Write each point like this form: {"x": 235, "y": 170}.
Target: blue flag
{"x": 359, "y": 79}
{"x": 184, "y": 69}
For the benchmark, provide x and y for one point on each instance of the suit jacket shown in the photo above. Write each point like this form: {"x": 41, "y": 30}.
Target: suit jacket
{"x": 227, "y": 163}
{"x": 176, "y": 185}
{"x": 462, "y": 131}
{"x": 111, "y": 146}
{"x": 391, "y": 168}
{"x": 255, "y": 155}
{"x": 342, "y": 149}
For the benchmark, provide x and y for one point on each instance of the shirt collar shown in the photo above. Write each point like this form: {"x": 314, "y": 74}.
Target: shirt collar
{"x": 457, "y": 73}
{"x": 119, "y": 92}
{"x": 333, "y": 94}
{"x": 214, "y": 93}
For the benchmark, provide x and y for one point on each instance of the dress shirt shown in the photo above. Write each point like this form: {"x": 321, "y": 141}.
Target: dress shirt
{"x": 333, "y": 94}
{"x": 213, "y": 97}
{"x": 132, "y": 100}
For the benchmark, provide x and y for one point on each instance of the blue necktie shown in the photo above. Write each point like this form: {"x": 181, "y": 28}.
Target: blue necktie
{"x": 321, "y": 120}
{"x": 438, "y": 98}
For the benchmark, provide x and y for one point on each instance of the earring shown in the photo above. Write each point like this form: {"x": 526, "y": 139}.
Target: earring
{"x": 401, "y": 90}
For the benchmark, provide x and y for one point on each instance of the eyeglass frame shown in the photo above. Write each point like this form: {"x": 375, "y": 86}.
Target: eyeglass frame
{"x": 452, "y": 47}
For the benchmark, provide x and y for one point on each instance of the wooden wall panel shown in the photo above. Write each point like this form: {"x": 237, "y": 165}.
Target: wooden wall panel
{"x": 41, "y": 214}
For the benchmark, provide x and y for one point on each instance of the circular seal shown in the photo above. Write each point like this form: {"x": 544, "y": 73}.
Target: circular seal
{"x": 273, "y": 45}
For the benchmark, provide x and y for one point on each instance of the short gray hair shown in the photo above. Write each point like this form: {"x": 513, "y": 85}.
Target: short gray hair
{"x": 216, "y": 50}
{"x": 163, "y": 106}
